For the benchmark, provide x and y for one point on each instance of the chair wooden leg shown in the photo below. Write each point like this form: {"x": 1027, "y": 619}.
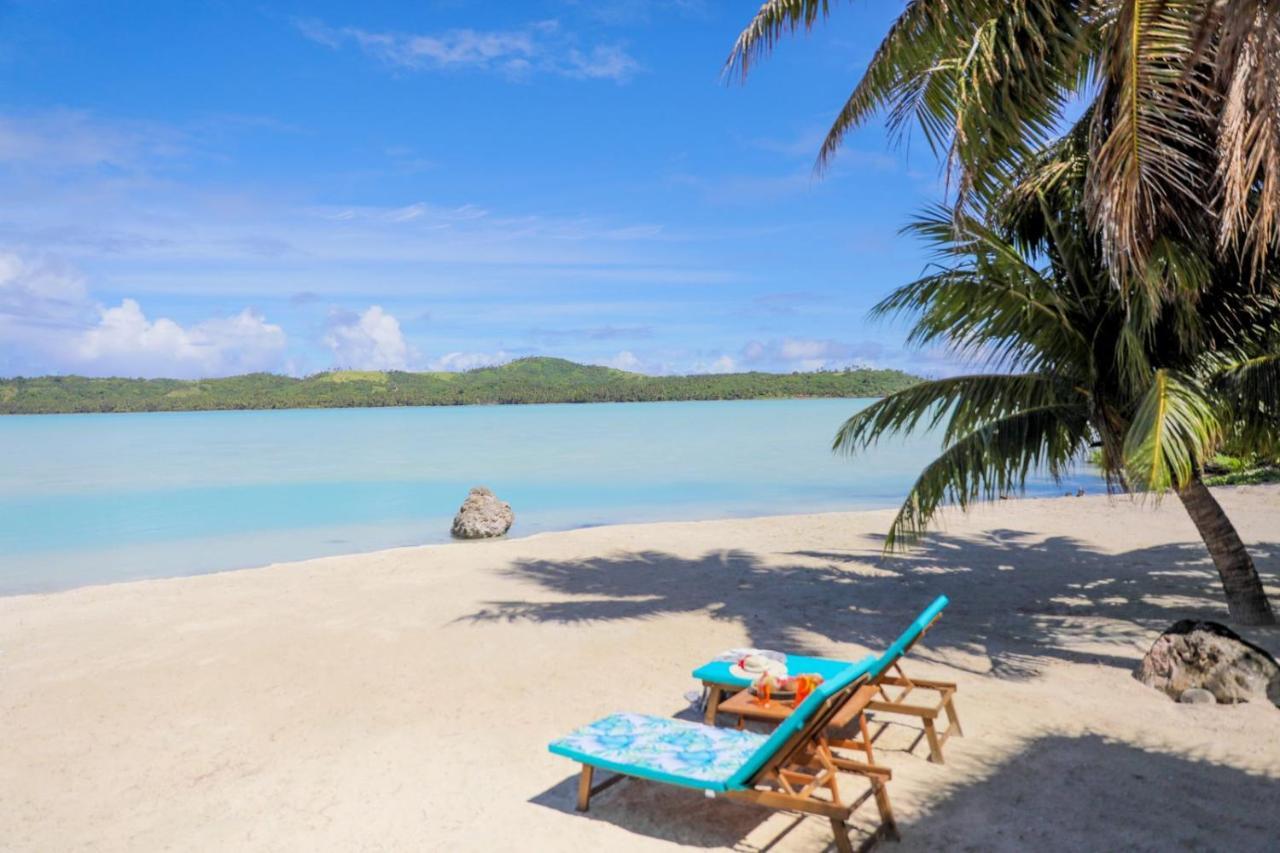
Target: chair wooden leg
{"x": 584, "y": 787}
{"x": 866, "y": 738}
{"x": 841, "y": 830}
{"x": 953, "y": 717}
{"x": 935, "y": 746}
{"x": 713, "y": 704}
{"x": 887, "y": 823}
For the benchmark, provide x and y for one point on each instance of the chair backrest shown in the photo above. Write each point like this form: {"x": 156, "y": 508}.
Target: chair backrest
{"x": 909, "y": 637}
{"x": 805, "y": 723}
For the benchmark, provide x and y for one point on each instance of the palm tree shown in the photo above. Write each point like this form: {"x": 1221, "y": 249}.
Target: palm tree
{"x": 1185, "y": 125}
{"x": 1154, "y": 378}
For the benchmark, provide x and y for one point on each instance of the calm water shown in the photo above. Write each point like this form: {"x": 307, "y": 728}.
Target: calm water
{"x": 99, "y": 498}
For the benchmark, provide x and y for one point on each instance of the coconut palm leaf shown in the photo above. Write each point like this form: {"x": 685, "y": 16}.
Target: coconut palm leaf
{"x": 1241, "y": 42}
{"x": 1251, "y": 389}
{"x": 1183, "y": 98}
{"x": 993, "y": 459}
{"x": 965, "y": 402}
{"x": 955, "y": 70}
{"x": 994, "y": 306}
{"x": 1174, "y": 428}
{"x": 1150, "y": 153}
{"x": 774, "y": 19}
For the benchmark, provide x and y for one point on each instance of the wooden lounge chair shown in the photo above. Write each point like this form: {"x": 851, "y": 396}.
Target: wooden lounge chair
{"x": 786, "y": 770}
{"x": 719, "y": 681}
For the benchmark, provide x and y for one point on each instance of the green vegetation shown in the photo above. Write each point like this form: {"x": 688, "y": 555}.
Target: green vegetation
{"x": 529, "y": 380}
{"x": 1224, "y": 470}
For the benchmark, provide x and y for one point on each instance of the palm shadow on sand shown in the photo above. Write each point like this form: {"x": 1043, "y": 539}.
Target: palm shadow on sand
{"x": 1038, "y": 599}
{"x": 1058, "y": 793}
{"x": 1017, "y": 601}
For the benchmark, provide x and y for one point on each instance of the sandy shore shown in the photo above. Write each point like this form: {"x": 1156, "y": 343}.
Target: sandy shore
{"x": 402, "y": 700}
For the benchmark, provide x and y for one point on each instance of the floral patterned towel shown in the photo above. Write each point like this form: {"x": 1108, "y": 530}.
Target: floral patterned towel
{"x": 692, "y": 753}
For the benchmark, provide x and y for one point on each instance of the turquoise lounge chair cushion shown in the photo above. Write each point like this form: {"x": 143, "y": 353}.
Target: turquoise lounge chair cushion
{"x": 714, "y": 759}
{"x": 662, "y": 749}
{"x": 691, "y": 754}
{"x": 717, "y": 672}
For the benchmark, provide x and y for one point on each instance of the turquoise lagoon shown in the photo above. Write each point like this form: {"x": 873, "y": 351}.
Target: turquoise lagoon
{"x": 88, "y": 499}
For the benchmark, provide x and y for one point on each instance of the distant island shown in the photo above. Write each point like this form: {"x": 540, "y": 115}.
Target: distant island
{"x": 528, "y": 380}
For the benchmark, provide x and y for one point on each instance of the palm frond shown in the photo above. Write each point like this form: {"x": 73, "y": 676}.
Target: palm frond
{"x": 1250, "y": 390}
{"x": 1149, "y": 165}
{"x": 965, "y": 402}
{"x": 905, "y": 78}
{"x": 773, "y": 20}
{"x": 1247, "y": 56}
{"x": 993, "y": 306}
{"x": 992, "y": 460}
{"x": 1174, "y": 428}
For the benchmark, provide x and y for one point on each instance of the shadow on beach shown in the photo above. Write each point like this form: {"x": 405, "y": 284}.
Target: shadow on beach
{"x": 1014, "y": 599}
{"x": 1018, "y": 603}
{"x": 1090, "y": 793}
{"x": 1058, "y": 793}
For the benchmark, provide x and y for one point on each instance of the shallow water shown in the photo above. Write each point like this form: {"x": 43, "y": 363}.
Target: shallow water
{"x": 99, "y": 498}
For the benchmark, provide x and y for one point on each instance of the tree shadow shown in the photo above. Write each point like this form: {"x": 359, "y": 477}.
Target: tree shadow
{"x": 1088, "y": 793}
{"x": 678, "y": 815}
{"x": 1015, "y": 597}
{"x": 1058, "y": 793}
{"x": 689, "y": 819}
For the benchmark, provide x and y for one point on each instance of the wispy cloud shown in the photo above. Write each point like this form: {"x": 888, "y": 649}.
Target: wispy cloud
{"x": 807, "y": 353}
{"x": 72, "y": 139}
{"x": 631, "y": 12}
{"x": 594, "y": 333}
{"x": 541, "y": 47}
{"x": 784, "y": 302}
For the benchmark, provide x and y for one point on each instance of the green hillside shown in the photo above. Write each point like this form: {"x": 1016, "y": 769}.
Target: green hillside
{"x": 529, "y": 380}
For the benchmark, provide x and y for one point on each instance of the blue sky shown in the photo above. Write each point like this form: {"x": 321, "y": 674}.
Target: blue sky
{"x": 195, "y": 189}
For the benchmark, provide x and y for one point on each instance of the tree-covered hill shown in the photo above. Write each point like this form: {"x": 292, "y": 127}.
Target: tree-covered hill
{"x": 529, "y": 380}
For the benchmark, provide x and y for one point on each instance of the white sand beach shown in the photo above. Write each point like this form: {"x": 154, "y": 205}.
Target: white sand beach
{"x": 403, "y": 700}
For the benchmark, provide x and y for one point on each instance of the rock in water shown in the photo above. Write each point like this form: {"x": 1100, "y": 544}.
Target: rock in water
{"x": 482, "y": 516}
{"x": 1194, "y": 654}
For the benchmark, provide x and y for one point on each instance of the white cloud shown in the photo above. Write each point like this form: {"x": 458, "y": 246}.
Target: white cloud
{"x": 625, "y": 360}
{"x": 723, "y": 364}
{"x": 459, "y": 361}
{"x": 368, "y": 341}
{"x": 537, "y": 47}
{"x": 792, "y": 349}
{"x": 126, "y": 343}
{"x": 806, "y": 353}
{"x": 49, "y": 321}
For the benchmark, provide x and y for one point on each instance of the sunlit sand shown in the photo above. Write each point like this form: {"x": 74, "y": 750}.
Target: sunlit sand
{"x": 404, "y": 699}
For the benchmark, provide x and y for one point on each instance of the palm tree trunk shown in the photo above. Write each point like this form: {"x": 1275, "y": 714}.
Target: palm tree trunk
{"x": 1246, "y": 600}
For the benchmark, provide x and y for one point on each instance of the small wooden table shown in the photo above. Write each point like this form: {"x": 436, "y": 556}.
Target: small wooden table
{"x": 748, "y": 707}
